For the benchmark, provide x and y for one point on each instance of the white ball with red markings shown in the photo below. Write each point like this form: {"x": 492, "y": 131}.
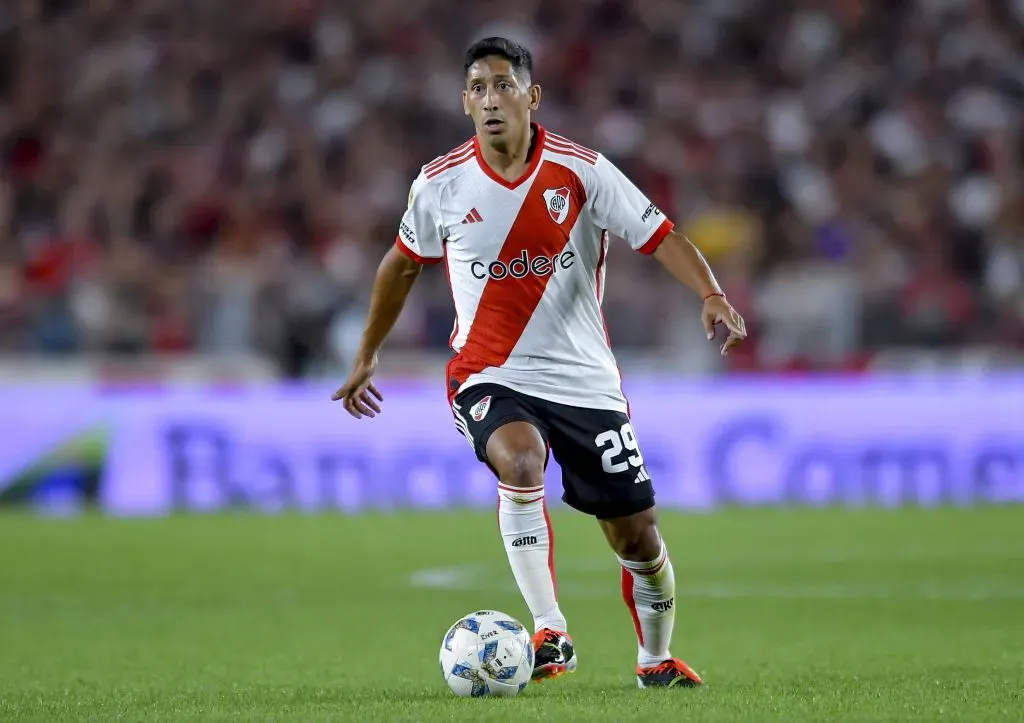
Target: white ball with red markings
{"x": 487, "y": 653}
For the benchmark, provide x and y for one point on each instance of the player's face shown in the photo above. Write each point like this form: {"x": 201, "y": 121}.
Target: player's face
{"x": 498, "y": 99}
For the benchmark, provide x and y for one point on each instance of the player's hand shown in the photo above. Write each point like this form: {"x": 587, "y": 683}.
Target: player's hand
{"x": 359, "y": 395}
{"x": 719, "y": 311}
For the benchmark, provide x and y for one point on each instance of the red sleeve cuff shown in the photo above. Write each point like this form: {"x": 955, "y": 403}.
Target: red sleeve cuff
{"x": 657, "y": 237}
{"x": 413, "y": 255}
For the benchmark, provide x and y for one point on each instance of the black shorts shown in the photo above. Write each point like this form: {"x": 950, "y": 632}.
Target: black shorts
{"x": 603, "y": 472}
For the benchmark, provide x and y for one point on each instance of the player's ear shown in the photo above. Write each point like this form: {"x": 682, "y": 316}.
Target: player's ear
{"x": 465, "y": 102}
{"x": 534, "y": 96}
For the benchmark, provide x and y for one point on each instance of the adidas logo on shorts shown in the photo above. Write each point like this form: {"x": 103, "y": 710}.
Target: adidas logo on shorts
{"x": 642, "y": 476}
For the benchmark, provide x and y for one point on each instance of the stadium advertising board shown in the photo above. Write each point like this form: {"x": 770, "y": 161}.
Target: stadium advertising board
{"x": 866, "y": 441}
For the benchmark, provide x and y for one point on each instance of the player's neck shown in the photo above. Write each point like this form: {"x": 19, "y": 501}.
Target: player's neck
{"x": 510, "y": 161}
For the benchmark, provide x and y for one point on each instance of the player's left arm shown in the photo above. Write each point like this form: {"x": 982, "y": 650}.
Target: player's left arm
{"x": 688, "y": 265}
{"x": 621, "y": 207}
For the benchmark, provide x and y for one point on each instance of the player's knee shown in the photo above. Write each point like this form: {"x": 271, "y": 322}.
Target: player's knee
{"x": 522, "y": 468}
{"x": 518, "y": 454}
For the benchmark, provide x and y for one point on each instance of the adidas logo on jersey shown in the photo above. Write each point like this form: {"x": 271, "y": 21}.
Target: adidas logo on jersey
{"x": 642, "y": 476}
{"x": 473, "y": 217}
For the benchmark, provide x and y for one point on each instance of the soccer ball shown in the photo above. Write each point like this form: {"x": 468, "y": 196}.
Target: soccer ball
{"x": 487, "y": 653}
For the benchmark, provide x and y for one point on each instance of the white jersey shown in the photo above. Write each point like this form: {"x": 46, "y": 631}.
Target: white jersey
{"x": 526, "y": 264}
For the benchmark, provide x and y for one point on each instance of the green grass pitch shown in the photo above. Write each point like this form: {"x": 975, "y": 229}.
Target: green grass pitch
{"x": 790, "y": 615}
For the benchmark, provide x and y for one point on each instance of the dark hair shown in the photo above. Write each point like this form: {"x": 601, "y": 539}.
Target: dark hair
{"x": 517, "y": 55}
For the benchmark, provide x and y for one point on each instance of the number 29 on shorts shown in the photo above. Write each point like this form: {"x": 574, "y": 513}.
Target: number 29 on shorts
{"x": 615, "y": 443}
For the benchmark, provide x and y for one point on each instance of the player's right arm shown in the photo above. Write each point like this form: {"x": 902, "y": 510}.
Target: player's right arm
{"x": 419, "y": 242}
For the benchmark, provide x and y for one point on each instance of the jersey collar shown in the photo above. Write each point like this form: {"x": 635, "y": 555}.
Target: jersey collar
{"x": 538, "y": 151}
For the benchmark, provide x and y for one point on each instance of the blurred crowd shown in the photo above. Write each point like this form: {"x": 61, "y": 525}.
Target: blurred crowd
{"x": 224, "y": 176}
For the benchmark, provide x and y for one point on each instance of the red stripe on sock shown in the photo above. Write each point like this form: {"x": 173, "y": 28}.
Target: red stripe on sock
{"x": 510, "y": 488}
{"x": 551, "y": 551}
{"x": 627, "y": 596}
{"x": 653, "y": 570}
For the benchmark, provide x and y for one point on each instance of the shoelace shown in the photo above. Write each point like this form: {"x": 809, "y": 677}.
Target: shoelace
{"x": 542, "y": 636}
{"x": 668, "y": 666}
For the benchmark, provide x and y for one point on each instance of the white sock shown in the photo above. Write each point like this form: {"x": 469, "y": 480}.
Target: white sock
{"x": 530, "y": 546}
{"x": 649, "y": 589}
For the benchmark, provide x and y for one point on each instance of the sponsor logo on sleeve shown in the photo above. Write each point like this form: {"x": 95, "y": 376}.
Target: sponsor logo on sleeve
{"x": 652, "y": 210}
{"x": 407, "y": 233}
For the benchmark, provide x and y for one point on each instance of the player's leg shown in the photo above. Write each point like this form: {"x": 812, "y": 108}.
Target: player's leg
{"x": 648, "y": 589}
{"x": 518, "y": 454}
{"x": 509, "y": 438}
{"x": 604, "y": 475}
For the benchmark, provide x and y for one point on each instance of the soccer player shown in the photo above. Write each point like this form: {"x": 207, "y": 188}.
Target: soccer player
{"x": 521, "y": 218}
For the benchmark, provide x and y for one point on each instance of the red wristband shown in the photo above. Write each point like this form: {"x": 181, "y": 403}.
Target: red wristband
{"x": 714, "y": 293}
